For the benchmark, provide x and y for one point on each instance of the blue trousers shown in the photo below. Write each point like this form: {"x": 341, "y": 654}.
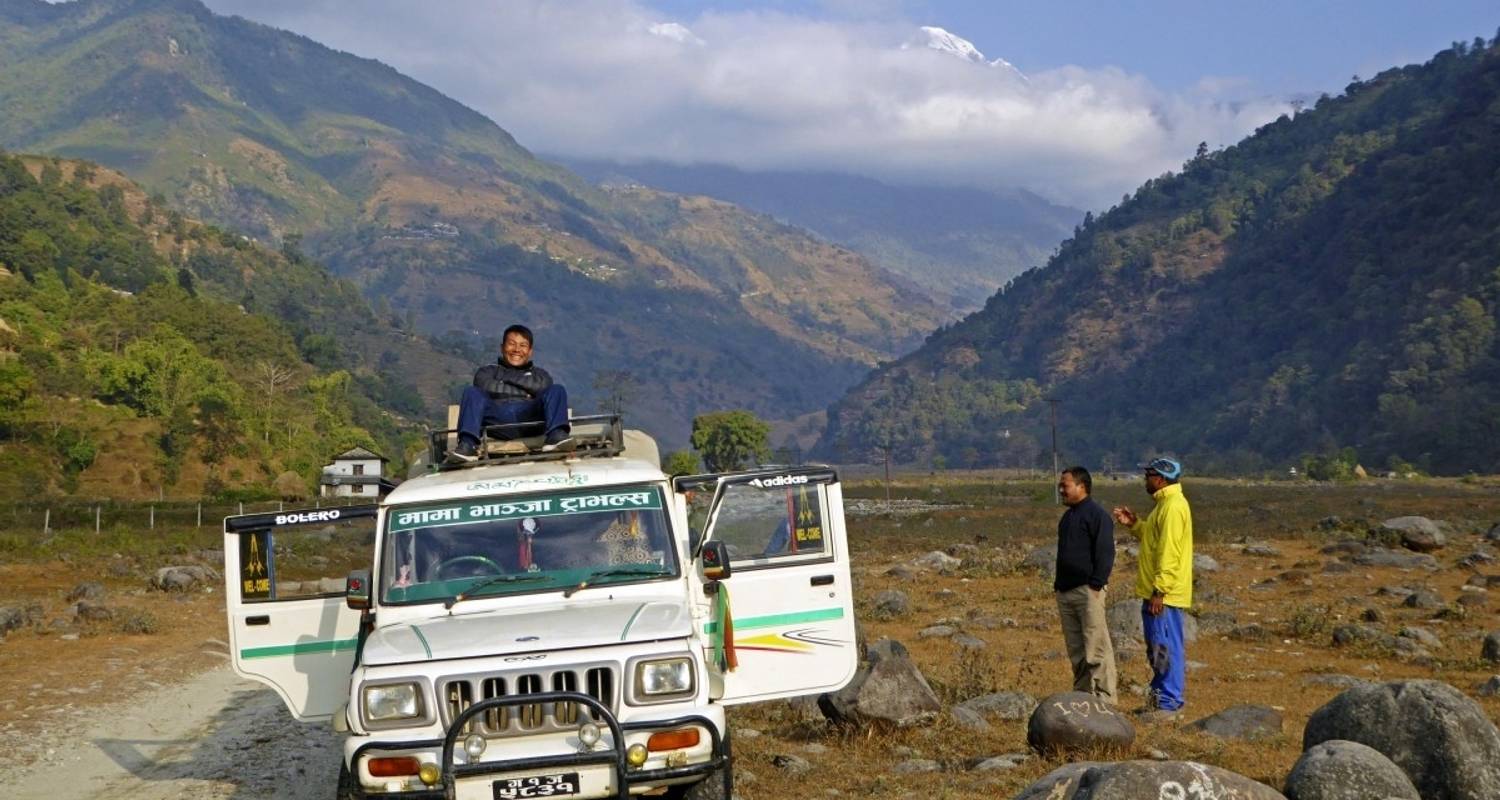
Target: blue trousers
{"x": 1167, "y": 655}
{"x": 476, "y": 410}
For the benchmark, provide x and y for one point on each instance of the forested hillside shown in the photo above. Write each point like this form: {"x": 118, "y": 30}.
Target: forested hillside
{"x": 1332, "y": 281}
{"x": 142, "y": 353}
{"x": 443, "y": 219}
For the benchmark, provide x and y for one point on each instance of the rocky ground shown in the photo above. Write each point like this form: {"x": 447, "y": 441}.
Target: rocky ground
{"x": 1315, "y": 606}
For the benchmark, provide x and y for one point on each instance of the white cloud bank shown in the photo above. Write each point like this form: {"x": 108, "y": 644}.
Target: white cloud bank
{"x": 763, "y": 90}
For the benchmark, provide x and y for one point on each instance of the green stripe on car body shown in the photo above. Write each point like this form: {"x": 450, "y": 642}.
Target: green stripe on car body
{"x": 423, "y": 639}
{"x": 300, "y": 648}
{"x": 775, "y": 620}
{"x": 631, "y": 621}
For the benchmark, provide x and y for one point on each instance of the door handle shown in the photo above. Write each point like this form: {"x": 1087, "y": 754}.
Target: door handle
{"x": 259, "y": 619}
{"x": 822, "y": 580}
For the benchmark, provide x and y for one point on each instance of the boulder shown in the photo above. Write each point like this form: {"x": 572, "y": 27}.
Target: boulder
{"x": 1248, "y": 722}
{"x": 791, "y": 765}
{"x": 16, "y": 617}
{"x": 901, "y": 572}
{"x": 1072, "y": 721}
{"x": 1493, "y": 534}
{"x": 1346, "y": 547}
{"x": 1437, "y": 736}
{"x": 892, "y": 603}
{"x": 1006, "y": 761}
{"x": 182, "y": 578}
{"x": 936, "y": 632}
{"x": 1421, "y": 636}
{"x": 968, "y": 642}
{"x": 1335, "y": 680}
{"x": 1357, "y": 634}
{"x": 1215, "y": 623}
{"x": 88, "y": 590}
{"x": 1423, "y": 598}
{"x": 1043, "y": 560}
{"x": 1146, "y": 780}
{"x": 887, "y": 689}
{"x": 1261, "y": 549}
{"x": 1343, "y": 770}
{"x": 1204, "y": 563}
{"x": 1250, "y": 632}
{"x": 937, "y": 560}
{"x": 1489, "y": 688}
{"x": 1124, "y": 620}
{"x": 1417, "y": 533}
{"x": 1012, "y": 706}
{"x": 1382, "y": 557}
{"x": 1490, "y": 650}
{"x": 89, "y": 612}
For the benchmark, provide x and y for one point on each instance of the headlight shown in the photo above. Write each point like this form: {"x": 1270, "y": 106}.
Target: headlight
{"x": 392, "y": 701}
{"x": 663, "y": 678}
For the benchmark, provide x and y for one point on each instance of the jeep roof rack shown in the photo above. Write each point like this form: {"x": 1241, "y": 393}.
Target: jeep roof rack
{"x": 594, "y": 436}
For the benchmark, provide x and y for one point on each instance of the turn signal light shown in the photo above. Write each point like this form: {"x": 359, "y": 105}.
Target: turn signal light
{"x": 394, "y": 767}
{"x": 672, "y": 740}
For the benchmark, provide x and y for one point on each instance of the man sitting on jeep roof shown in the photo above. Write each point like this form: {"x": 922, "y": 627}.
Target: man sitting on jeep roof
{"x": 509, "y": 391}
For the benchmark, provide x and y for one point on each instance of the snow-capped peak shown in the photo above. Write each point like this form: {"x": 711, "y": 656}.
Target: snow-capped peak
{"x": 677, "y": 32}
{"x": 945, "y": 42}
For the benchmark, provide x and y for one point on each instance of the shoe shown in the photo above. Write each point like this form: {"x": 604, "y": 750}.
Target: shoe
{"x": 464, "y": 453}
{"x": 1157, "y": 714}
{"x": 558, "y": 441}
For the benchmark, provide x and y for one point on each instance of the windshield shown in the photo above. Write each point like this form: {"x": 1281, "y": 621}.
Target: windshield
{"x": 542, "y": 542}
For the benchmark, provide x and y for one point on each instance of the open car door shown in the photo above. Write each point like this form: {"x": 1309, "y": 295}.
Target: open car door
{"x": 289, "y": 627}
{"x": 791, "y": 600}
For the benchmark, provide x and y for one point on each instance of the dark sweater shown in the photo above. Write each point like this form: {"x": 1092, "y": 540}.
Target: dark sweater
{"x": 504, "y": 382}
{"x": 1085, "y": 547}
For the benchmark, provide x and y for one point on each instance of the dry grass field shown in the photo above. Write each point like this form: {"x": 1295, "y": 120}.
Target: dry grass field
{"x": 48, "y": 674}
{"x": 1007, "y": 519}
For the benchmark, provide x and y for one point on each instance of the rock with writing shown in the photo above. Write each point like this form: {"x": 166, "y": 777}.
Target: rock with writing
{"x": 887, "y": 689}
{"x": 1248, "y": 722}
{"x": 1440, "y": 738}
{"x": 1343, "y": 770}
{"x": 1072, "y": 721}
{"x": 1146, "y": 780}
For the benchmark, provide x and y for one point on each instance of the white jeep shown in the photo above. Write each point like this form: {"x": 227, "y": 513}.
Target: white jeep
{"x": 546, "y": 624}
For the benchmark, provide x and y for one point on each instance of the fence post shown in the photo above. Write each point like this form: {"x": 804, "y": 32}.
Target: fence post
{"x": 200, "y": 513}
{"x": 47, "y": 522}
{"x": 153, "y": 517}
{"x": 242, "y": 507}
{"x": 280, "y": 505}
{"x": 96, "y": 520}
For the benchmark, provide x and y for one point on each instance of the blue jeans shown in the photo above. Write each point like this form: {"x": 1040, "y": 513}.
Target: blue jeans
{"x": 1167, "y": 655}
{"x": 476, "y": 410}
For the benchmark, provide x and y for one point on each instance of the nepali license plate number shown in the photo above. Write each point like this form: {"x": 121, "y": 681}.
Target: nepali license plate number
{"x": 559, "y": 784}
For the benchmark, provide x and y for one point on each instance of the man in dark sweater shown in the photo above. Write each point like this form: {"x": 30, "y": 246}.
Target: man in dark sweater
{"x": 1085, "y": 556}
{"x": 509, "y": 391}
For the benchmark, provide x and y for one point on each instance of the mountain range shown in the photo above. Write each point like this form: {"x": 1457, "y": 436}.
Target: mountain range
{"x": 444, "y": 220}
{"x": 1330, "y": 282}
{"x": 957, "y": 244}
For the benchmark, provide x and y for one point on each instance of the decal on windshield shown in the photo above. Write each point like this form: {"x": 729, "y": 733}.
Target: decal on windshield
{"x": 547, "y": 506}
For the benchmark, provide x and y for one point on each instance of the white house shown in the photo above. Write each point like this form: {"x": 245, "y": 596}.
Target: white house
{"x": 355, "y": 473}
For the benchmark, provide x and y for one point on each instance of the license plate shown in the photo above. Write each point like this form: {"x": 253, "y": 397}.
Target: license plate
{"x": 560, "y": 784}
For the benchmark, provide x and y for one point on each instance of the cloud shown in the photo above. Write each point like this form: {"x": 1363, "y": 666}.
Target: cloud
{"x": 769, "y": 89}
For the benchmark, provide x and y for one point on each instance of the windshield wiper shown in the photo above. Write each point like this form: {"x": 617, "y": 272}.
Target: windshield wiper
{"x": 472, "y": 590}
{"x": 604, "y": 573}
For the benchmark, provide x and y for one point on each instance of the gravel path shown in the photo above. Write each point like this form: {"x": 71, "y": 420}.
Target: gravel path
{"x": 213, "y": 736}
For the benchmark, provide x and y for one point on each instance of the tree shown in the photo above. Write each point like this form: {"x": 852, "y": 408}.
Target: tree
{"x": 680, "y": 462}
{"x": 729, "y": 440}
{"x": 615, "y": 389}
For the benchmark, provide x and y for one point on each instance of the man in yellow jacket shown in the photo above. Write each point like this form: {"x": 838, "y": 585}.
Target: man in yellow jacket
{"x": 1164, "y": 579}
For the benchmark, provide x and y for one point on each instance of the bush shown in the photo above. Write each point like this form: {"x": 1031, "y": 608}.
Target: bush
{"x": 137, "y": 622}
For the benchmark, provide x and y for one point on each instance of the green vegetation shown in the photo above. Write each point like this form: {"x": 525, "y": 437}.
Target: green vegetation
{"x": 126, "y": 368}
{"x": 731, "y": 440}
{"x": 1330, "y": 281}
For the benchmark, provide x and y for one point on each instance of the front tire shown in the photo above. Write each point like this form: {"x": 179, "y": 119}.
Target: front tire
{"x": 718, "y": 785}
{"x": 348, "y": 788}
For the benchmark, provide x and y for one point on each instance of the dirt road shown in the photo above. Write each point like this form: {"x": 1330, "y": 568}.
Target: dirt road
{"x": 212, "y": 736}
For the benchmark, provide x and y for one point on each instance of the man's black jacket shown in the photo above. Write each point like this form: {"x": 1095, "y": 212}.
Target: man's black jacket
{"x": 1085, "y": 547}
{"x": 504, "y": 382}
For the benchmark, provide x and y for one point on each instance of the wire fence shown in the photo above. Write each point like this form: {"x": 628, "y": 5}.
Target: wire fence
{"x": 46, "y": 516}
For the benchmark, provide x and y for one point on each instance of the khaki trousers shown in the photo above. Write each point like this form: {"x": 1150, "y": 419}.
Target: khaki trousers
{"x": 1087, "y": 633}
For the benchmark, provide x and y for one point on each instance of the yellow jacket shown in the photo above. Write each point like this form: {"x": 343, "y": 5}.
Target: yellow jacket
{"x": 1166, "y": 562}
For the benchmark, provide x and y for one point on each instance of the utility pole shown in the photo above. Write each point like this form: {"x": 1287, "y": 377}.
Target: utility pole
{"x": 1056, "y": 492}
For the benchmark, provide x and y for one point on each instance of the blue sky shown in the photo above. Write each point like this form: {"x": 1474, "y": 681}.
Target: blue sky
{"x": 1101, "y": 97}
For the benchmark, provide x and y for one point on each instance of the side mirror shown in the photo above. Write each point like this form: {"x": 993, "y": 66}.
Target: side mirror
{"x": 715, "y": 557}
{"x": 357, "y": 589}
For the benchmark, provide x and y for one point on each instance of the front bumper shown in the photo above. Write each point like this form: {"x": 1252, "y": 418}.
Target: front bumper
{"x": 624, "y": 778}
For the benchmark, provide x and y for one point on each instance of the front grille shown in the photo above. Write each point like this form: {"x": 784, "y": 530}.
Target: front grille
{"x": 458, "y": 694}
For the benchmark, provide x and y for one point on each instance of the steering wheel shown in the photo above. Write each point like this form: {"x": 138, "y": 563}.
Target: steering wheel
{"x": 495, "y": 569}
